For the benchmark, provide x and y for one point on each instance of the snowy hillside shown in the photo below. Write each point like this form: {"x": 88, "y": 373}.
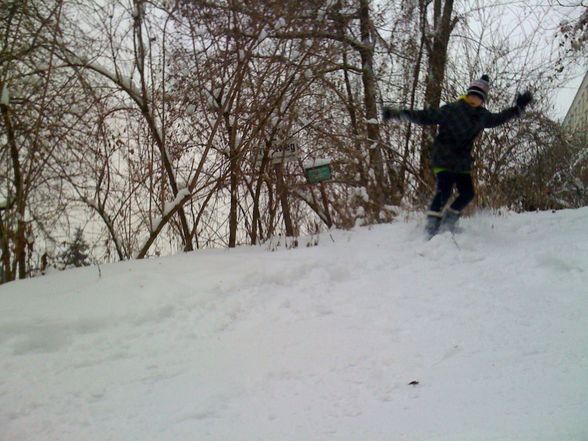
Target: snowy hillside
{"x": 318, "y": 343}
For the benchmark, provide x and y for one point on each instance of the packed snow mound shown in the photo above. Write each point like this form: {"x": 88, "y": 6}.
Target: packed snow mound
{"x": 372, "y": 334}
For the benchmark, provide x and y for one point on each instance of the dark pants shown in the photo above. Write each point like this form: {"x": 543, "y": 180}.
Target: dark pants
{"x": 446, "y": 180}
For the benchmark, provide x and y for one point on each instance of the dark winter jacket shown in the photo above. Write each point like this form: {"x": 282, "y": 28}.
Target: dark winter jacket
{"x": 459, "y": 125}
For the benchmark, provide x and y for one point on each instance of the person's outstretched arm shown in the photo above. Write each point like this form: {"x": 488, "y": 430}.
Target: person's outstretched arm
{"x": 497, "y": 119}
{"x": 422, "y": 117}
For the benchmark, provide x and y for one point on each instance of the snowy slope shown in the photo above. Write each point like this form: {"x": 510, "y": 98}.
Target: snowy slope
{"x": 316, "y": 343}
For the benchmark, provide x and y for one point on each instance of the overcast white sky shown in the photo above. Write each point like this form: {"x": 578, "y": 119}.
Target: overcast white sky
{"x": 565, "y": 95}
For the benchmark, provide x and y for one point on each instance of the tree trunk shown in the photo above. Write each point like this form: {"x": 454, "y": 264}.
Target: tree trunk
{"x": 158, "y": 135}
{"x": 234, "y": 184}
{"x": 443, "y": 25}
{"x": 328, "y": 218}
{"x": 19, "y": 263}
{"x": 408, "y": 151}
{"x": 256, "y": 220}
{"x": 379, "y": 190}
{"x": 283, "y": 195}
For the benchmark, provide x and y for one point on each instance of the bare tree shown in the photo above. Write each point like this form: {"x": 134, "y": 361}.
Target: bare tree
{"x": 32, "y": 127}
{"x": 574, "y": 33}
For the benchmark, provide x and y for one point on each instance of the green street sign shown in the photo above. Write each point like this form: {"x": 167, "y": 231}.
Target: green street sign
{"x": 318, "y": 174}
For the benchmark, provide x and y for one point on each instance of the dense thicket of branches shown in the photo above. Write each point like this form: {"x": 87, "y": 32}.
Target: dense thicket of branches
{"x": 150, "y": 125}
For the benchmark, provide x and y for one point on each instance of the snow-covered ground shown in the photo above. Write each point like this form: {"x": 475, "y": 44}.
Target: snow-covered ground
{"x": 316, "y": 343}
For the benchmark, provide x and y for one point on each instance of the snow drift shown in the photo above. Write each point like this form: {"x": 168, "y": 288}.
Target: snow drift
{"x": 374, "y": 334}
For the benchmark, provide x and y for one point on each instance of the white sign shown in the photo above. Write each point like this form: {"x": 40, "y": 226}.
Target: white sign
{"x": 283, "y": 152}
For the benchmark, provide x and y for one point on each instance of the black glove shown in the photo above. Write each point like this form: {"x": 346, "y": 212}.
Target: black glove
{"x": 389, "y": 113}
{"x": 524, "y": 100}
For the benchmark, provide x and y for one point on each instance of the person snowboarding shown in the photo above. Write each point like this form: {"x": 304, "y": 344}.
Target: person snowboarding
{"x": 459, "y": 124}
